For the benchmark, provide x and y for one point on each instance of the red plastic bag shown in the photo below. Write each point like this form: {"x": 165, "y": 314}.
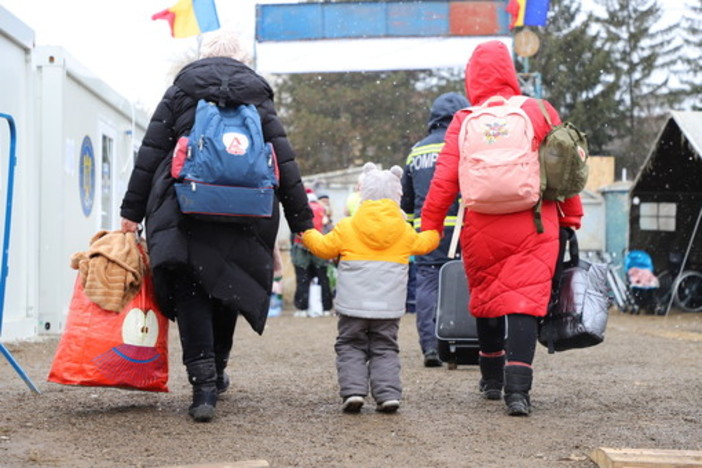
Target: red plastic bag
{"x": 128, "y": 349}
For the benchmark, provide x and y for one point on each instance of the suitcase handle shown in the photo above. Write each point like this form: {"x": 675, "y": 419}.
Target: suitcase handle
{"x": 457, "y": 230}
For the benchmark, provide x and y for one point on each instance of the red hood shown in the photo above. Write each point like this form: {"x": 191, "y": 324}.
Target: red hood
{"x": 489, "y": 72}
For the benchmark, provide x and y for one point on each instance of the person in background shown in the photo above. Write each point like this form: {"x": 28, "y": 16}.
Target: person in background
{"x": 353, "y": 200}
{"x": 411, "y": 300}
{"x": 206, "y": 273}
{"x": 309, "y": 267}
{"x": 328, "y": 222}
{"x": 328, "y": 225}
{"x": 509, "y": 264}
{"x": 374, "y": 244}
{"x": 416, "y": 180}
{"x": 276, "y": 305}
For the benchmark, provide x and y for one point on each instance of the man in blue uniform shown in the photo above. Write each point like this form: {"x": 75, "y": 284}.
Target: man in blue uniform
{"x": 418, "y": 172}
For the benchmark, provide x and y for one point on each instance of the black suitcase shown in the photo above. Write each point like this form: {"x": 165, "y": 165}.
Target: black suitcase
{"x": 455, "y": 327}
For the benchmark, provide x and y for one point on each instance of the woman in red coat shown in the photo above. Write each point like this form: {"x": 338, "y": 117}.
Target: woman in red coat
{"x": 508, "y": 264}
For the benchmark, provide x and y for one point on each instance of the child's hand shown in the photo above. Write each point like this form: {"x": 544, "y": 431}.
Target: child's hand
{"x": 305, "y": 236}
{"x": 427, "y": 241}
{"x": 434, "y": 238}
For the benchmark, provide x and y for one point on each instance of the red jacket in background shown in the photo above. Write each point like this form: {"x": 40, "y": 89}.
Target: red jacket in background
{"x": 319, "y": 213}
{"x": 508, "y": 264}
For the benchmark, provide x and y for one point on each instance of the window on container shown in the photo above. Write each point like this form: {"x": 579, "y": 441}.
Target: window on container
{"x": 657, "y": 216}
{"x": 106, "y": 178}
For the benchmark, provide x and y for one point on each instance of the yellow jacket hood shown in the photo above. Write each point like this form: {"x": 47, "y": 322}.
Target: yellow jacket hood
{"x": 379, "y": 223}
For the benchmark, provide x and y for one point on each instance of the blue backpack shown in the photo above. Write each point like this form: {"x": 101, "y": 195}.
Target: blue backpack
{"x": 224, "y": 169}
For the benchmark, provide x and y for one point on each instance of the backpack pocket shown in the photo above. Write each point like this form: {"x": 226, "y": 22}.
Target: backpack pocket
{"x": 224, "y": 202}
{"x": 180, "y": 154}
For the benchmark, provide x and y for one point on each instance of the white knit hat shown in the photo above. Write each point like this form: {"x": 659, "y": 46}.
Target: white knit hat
{"x": 379, "y": 184}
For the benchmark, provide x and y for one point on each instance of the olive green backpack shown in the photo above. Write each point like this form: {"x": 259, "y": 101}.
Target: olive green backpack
{"x": 563, "y": 158}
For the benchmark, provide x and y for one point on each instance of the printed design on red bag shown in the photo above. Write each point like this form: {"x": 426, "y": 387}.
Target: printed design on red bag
{"x": 236, "y": 143}
{"x": 136, "y": 360}
{"x": 494, "y": 130}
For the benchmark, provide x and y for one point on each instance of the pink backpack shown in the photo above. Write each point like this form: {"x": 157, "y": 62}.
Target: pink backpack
{"x": 499, "y": 169}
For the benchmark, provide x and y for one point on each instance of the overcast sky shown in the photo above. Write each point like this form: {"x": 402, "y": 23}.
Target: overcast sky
{"x": 120, "y": 43}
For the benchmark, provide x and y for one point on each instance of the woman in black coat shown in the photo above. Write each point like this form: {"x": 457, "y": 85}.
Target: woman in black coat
{"x": 207, "y": 273}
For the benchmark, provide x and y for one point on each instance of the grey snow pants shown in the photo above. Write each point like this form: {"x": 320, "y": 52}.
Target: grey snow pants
{"x": 367, "y": 351}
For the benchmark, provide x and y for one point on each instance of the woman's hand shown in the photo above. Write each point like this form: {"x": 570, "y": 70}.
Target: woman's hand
{"x": 129, "y": 226}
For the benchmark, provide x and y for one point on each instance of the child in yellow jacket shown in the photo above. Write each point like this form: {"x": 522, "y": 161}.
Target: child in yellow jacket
{"x": 374, "y": 246}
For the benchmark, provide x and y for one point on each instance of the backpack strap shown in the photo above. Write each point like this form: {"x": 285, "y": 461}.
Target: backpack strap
{"x": 537, "y": 216}
{"x": 517, "y": 100}
{"x": 545, "y": 112}
{"x": 537, "y": 208}
{"x": 223, "y": 91}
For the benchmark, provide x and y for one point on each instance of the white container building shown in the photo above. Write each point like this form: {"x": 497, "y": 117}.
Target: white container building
{"x": 76, "y": 143}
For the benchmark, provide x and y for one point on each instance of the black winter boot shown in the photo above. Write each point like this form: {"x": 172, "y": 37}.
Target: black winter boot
{"x": 202, "y": 375}
{"x": 492, "y": 376}
{"x": 517, "y": 385}
{"x": 222, "y": 377}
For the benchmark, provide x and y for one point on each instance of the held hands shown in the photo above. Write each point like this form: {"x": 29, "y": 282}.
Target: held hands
{"x": 305, "y": 236}
{"x": 129, "y": 226}
{"x": 434, "y": 238}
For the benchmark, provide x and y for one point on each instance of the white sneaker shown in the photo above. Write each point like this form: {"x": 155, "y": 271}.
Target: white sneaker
{"x": 389, "y": 406}
{"x": 314, "y": 313}
{"x": 300, "y": 313}
{"x": 352, "y": 404}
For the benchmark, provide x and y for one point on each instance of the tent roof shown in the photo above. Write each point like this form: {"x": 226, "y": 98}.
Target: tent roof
{"x": 690, "y": 123}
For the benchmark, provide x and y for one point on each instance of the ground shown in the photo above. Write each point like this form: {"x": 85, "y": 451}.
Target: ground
{"x": 638, "y": 389}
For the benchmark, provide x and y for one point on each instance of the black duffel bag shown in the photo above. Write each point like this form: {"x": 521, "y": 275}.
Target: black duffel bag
{"x": 578, "y": 310}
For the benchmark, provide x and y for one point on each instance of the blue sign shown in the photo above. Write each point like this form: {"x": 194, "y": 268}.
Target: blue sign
{"x": 86, "y": 179}
{"x": 388, "y": 19}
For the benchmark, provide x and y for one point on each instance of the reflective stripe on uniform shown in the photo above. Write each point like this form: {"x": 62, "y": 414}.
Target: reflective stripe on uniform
{"x": 433, "y": 148}
{"x": 449, "y": 221}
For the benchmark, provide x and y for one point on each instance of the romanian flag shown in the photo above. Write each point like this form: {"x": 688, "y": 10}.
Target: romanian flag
{"x": 527, "y": 12}
{"x": 190, "y": 17}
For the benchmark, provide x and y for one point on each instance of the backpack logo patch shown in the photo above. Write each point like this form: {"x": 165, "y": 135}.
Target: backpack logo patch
{"x": 582, "y": 153}
{"x": 495, "y": 130}
{"x": 236, "y": 143}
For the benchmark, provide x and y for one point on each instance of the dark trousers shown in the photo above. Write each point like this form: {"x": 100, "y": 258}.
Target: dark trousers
{"x": 520, "y": 343}
{"x": 303, "y": 278}
{"x": 205, "y": 326}
{"x": 427, "y": 292}
{"x": 367, "y": 353}
{"x": 411, "y": 301}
